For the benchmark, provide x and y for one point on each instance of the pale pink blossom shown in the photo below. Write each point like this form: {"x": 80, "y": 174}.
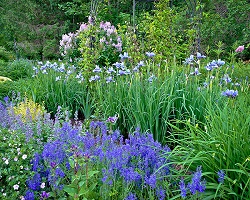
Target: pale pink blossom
{"x": 16, "y": 187}
{"x": 240, "y": 48}
{"x": 42, "y": 185}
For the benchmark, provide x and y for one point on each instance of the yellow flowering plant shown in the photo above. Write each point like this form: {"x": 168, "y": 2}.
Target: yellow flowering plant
{"x": 28, "y": 108}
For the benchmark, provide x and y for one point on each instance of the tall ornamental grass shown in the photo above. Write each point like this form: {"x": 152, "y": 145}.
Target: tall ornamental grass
{"x": 222, "y": 142}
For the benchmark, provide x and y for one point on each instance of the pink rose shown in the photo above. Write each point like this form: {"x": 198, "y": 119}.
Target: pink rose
{"x": 240, "y": 49}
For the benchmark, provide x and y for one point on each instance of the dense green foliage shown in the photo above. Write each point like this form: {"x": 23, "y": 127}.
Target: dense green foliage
{"x": 176, "y": 72}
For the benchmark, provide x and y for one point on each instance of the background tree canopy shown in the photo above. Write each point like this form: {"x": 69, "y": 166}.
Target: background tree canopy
{"x": 33, "y": 28}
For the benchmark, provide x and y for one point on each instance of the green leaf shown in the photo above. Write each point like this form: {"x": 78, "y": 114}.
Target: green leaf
{"x": 92, "y": 173}
{"x": 83, "y": 191}
{"x": 81, "y": 183}
{"x": 70, "y": 190}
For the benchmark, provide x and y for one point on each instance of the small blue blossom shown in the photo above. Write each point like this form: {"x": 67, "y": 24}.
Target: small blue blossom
{"x": 196, "y": 184}
{"x": 220, "y": 62}
{"x": 189, "y": 61}
{"x": 110, "y": 70}
{"x": 230, "y": 93}
{"x": 44, "y": 195}
{"x": 221, "y": 174}
{"x": 141, "y": 64}
{"x": 200, "y": 56}
{"x": 131, "y": 196}
{"x": 29, "y": 195}
{"x": 109, "y": 79}
{"x": 117, "y": 65}
{"x": 124, "y": 56}
{"x": 160, "y": 193}
{"x": 35, "y": 182}
{"x": 183, "y": 188}
{"x": 97, "y": 69}
{"x": 121, "y": 72}
{"x": 150, "y": 54}
{"x": 227, "y": 79}
{"x": 196, "y": 72}
{"x": 94, "y": 78}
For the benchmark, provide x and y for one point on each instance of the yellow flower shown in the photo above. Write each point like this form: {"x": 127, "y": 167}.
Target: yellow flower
{"x": 29, "y": 108}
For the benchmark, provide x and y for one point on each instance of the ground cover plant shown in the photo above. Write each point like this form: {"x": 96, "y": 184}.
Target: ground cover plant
{"x": 128, "y": 112}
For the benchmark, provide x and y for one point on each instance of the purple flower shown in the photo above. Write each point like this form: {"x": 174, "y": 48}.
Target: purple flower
{"x": 160, "y": 193}
{"x": 196, "y": 184}
{"x": 199, "y": 56}
{"x": 94, "y": 78}
{"x": 44, "y": 195}
{"x": 183, "y": 188}
{"x": 151, "y": 180}
{"x": 35, "y": 182}
{"x": 150, "y": 54}
{"x": 117, "y": 65}
{"x": 112, "y": 119}
{"x": 189, "y": 61}
{"x": 221, "y": 174}
{"x": 141, "y": 64}
{"x": 110, "y": 70}
{"x": 227, "y": 79}
{"x": 121, "y": 72}
{"x": 196, "y": 72}
{"x": 124, "y": 56}
{"x": 220, "y": 62}
{"x": 230, "y": 93}
{"x": 109, "y": 79}
{"x": 97, "y": 69}
{"x": 59, "y": 172}
{"x": 131, "y": 196}
{"x": 29, "y": 195}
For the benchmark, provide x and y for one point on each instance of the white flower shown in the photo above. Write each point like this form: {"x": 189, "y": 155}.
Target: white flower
{"x": 42, "y": 185}
{"x": 16, "y": 187}
{"x": 24, "y": 156}
{"x": 4, "y": 194}
{"x": 21, "y": 167}
{"x": 16, "y": 159}
{"x": 7, "y": 162}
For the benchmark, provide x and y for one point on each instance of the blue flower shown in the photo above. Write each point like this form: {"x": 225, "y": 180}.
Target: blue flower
{"x": 196, "y": 184}
{"x": 97, "y": 69}
{"x": 151, "y": 180}
{"x": 124, "y": 56}
{"x": 35, "y": 182}
{"x": 220, "y": 62}
{"x": 109, "y": 79}
{"x": 189, "y": 61}
{"x": 221, "y": 174}
{"x": 160, "y": 193}
{"x": 59, "y": 172}
{"x": 111, "y": 70}
{"x": 230, "y": 93}
{"x": 94, "y": 78}
{"x": 199, "y": 56}
{"x": 227, "y": 79}
{"x": 29, "y": 195}
{"x": 183, "y": 188}
{"x": 44, "y": 195}
{"x": 150, "y": 54}
{"x": 131, "y": 196}
{"x": 196, "y": 72}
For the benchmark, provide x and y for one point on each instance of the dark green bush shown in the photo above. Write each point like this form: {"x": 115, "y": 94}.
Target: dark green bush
{"x": 17, "y": 69}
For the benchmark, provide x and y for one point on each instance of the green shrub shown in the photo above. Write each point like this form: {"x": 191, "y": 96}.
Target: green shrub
{"x": 17, "y": 69}
{"x": 5, "y": 55}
